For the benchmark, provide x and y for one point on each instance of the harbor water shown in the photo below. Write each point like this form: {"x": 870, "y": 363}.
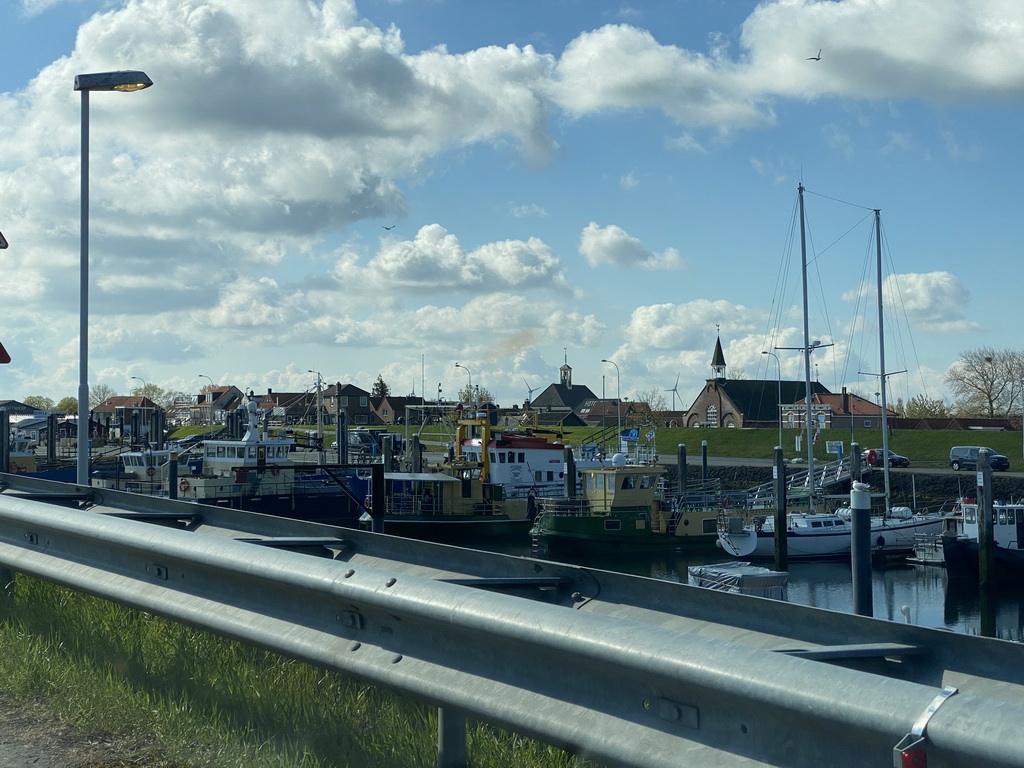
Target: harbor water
{"x": 918, "y": 594}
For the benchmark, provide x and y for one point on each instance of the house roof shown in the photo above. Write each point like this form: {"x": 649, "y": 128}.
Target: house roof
{"x": 562, "y": 396}
{"x": 119, "y": 402}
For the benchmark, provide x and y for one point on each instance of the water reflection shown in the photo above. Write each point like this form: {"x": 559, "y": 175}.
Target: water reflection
{"x": 918, "y": 594}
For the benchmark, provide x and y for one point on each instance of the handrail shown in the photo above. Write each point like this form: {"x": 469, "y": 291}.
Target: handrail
{"x": 613, "y": 668}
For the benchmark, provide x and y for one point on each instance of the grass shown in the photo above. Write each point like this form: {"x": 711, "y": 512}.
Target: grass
{"x": 173, "y": 696}
{"x": 924, "y": 447}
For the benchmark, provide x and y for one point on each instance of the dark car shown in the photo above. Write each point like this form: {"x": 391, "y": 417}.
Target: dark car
{"x": 966, "y": 457}
{"x": 876, "y": 458}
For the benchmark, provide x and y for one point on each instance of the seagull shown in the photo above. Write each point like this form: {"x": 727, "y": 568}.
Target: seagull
{"x": 814, "y": 58}
{"x": 388, "y": 228}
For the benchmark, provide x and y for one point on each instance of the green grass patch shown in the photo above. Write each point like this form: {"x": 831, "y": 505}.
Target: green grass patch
{"x": 176, "y": 696}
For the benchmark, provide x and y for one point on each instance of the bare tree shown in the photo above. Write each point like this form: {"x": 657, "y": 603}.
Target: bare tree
{"x": 924, "y": 407}
{"x": 987, "y": 382}
{"x": 99, "y": 393}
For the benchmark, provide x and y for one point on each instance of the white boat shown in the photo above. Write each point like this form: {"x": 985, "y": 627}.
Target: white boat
{"x": 822, "y": 536}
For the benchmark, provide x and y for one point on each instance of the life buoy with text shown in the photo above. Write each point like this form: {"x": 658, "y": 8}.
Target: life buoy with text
{"x": 183, "y": 486}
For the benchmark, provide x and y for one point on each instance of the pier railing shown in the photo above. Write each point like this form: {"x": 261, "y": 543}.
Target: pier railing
{"x": 623, "y": 670}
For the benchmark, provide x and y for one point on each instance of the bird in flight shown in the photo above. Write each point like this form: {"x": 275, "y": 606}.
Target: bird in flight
{"x": 814, "y": 58}
{"x": 389, "y": 228}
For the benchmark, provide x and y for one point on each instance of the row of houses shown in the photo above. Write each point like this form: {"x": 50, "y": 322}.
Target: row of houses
{"x": 722, "y": 402}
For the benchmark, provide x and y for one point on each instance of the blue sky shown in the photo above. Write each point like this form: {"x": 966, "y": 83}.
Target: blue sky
{"x": 568, "y": 179}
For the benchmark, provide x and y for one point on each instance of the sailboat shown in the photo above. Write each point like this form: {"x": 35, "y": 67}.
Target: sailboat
{"x": 825, "y": 535}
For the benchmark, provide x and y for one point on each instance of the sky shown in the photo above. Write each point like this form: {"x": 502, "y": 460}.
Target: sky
{"x": 391, "y": 187}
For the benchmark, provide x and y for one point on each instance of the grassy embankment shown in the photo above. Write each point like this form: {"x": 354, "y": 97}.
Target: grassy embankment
{"x": 924, "y": 448}
{"x": 172, "y": 696}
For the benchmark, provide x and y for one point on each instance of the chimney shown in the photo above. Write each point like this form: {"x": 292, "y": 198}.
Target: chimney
{"x": 846, "y": 401}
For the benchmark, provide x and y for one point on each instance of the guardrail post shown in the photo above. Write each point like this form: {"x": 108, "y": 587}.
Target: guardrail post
{"x": 451, "y": 739}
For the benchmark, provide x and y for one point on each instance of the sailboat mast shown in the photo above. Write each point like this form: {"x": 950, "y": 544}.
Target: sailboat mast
{"x": 807, "y": 346}
{"x": 881, "y": 359}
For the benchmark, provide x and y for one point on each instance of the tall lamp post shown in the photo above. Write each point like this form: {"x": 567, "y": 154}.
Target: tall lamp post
{"x": 100, "y": 81}
{"x": 143, "y": 394}
{"x": 618, "y": 405}
{"x": 319, "y": 413}
{"x": 204, "y": 376}
{"x": 778, "y": 365}
{"x": 458, "y": 365}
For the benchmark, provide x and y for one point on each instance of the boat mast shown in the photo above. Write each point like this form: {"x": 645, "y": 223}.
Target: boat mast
{"x": 807, "y": 347}
{"x": 881, "y": 359}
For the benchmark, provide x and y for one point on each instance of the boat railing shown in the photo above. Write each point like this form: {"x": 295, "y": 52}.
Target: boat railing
{"x": 564, "y": 507}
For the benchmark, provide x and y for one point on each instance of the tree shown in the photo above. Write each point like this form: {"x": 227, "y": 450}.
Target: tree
{"x": 99, "y": 394}
{"x": 156, "y": 394}
{"x": 380, "y": 387}
{"x": 647, "y": 404}
{"x": 924, "y": 407}
{"x": 475, "y": 396}
{"x": 39, "y": 402}
{"x": 68, "y": 405}
{"x": 987, "y": 382}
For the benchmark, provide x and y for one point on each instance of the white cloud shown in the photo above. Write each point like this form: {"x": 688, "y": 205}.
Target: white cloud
{"x": 612, "y": 245}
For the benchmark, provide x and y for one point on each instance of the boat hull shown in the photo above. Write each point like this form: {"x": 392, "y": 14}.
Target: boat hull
{"x": 626, "y": 529}
{"x": 960, "y": 556}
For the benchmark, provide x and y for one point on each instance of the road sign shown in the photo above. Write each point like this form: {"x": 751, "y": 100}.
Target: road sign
{"x": 4, "y": 357}
{"x": 3, "y": 242}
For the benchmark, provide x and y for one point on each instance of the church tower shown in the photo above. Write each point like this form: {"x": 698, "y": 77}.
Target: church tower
{"x": 718, "y": 360}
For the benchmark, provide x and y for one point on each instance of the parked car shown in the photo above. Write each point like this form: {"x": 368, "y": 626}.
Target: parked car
{"x": 876, "y": 458}
{"x": 966, "y": 457}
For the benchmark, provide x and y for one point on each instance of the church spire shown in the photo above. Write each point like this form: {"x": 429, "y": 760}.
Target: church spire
{"x": 718, "y": 359}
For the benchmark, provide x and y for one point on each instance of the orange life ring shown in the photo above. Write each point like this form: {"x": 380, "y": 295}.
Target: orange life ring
{"x": 183, "y": 486}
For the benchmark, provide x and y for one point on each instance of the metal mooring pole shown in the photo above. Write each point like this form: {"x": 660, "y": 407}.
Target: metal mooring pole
{"x": 451, "y": 739}
{"x": 681, "y": 466}
{"x": 781, "y": 541}
{"x": 703, "y": 459}
{"x": 860, "y": 548}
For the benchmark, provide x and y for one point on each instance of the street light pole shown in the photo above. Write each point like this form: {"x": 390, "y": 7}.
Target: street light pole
{"x": 204, "y": 376}
{"x": 319, "y": 413}
{"x": 101, "y": 81}
{"x": 778, "y": 364}
{"x": 458, "y": 365}
{"x": 618, "y": 405}
{"x": 145, "y": 386}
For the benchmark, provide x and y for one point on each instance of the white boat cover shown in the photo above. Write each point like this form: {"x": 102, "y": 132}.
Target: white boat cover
{"x": 741, "y": 578}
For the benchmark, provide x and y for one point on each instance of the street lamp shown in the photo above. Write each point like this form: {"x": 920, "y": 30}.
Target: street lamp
{"x": 618, "y": 405}
{"x": 778, "y": 365}
{"x": 204, "y": 376}
{"x": 457, "y": 365}
{"x": 320, "y": 413}
{"x": 142, "y": 393}
{"x": 100, "y": 81}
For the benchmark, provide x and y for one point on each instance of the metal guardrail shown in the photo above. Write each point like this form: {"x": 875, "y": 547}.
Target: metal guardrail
{"x": 625, "y": 670}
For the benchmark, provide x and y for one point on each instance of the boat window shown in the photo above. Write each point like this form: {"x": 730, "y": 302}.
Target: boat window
{"x": 493, "y": 459}
{"x": 501, "y": 458}
{"x": 220, "y": 451}
{"x": 252, "y": 451}
{"x": 599, "y": 482}
{"x": 827, "y": 523}
{"x": 709, "y": 525}
{"x": 815, "y": 523}
{"x": 538, "y": 475}
{"x": 1002, "y": 516}
{"x": 971, "y": 514}
{"x": 629, "y": 482}
{"x": 647, "y": 481}
{"x": 1020, "y": 516}
{"x": 511, "y": 457}
{"x": 522, "y": 457}
{"x": 612, "y": 525}
{"x": 551, "y": 476}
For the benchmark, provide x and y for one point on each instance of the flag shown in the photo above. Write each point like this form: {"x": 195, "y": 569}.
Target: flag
{"x": 650, "y": 436}
{"x": 817, "y": 435}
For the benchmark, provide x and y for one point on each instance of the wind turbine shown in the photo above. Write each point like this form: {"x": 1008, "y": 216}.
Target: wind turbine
{"x": 674, "y": 390}
{"x": 529, "y": 390}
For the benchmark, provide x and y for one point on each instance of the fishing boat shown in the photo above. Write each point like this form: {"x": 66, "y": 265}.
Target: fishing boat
{"x": 960, "y": 547}
{"x": 620, "y": 506}
{"x": 22, "y": 460}
{"x": 255, "y": 473}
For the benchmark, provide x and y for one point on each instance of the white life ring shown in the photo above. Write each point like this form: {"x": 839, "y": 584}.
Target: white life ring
{"x": 183, "y": 486}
